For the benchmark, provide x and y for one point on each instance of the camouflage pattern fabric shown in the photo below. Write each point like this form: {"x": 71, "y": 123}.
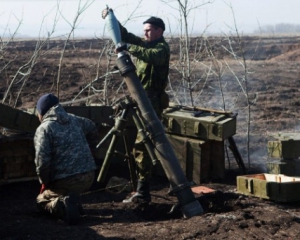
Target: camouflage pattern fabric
{"x": 152, "y": 64}
{"x": 143, "y": 162}
{"x": 50, "y": 200}
{"x": 61, "y": 148}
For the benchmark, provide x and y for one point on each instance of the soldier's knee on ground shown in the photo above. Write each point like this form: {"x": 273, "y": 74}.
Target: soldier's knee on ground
{"x": 54, "y": 206}
{"x": 57, "y": 208}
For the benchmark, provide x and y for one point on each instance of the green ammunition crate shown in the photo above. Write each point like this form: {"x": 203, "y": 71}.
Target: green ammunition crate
{"x": 282, "y": 167}
{"x": 277, "y": 187}
{"x": 17, "y": 159}
{"x": 285, "y": 149}
{"x": 204, "y": 125}
{"x": 201, "y": 161}
{"x": 286, "y": 146}
{"x": 100, "y": 115}
{"x": 17, "y": 119}
{"x": 17, "y": 151}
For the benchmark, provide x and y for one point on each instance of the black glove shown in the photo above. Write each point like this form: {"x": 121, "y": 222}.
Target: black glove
{"x": 122, "y": 47}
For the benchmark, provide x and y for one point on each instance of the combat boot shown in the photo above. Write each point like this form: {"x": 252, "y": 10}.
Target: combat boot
{"x": 142, "y": 194}
{"x": 72, "y": 209}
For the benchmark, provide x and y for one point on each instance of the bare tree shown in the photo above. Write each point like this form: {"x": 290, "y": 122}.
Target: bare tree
{"x": 24, "y": 71}
{"x": 185, "y": 8}
{"x": 218, "y": 71}
{"x": 239, "y": 55}
{"x": 4, "y": 42}
{"x": 73, "y": 25}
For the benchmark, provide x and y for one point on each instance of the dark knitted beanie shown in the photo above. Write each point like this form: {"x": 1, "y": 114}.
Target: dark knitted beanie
{"x": 46, "y": 102}
{"x": 156, "y": 22}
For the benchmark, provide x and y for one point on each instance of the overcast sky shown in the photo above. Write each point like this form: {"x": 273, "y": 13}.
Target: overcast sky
{"x": 217, "y": 17}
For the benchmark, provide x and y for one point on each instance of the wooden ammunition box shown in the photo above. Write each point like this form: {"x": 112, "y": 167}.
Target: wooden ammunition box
{"x": 286, "y": 146}
{"x": 16, "y": 159}
{"x": 277, "y": 187}
{"x": 202, "y": 124}
{"x": 282, "y": 167}
{"x": 17, "y": 149}
{"x": 201, "y": 161}
{"x": 100, "y": 115}
{"x": 17, "y": 119}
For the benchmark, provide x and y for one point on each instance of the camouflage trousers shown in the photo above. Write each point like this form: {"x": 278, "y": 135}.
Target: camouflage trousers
{"x": 50, "y": 200}
{"x": 143, "y": 162}
{"x": 142, "y": 158}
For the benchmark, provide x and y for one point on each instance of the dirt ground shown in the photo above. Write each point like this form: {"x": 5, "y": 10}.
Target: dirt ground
{"x": 227, "y": 215}
{"x": 274, "y": 94}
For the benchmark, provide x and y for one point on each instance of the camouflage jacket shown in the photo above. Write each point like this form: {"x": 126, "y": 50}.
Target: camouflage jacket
{"x": 61, "y": 147}
{"x": 152, "y": 60}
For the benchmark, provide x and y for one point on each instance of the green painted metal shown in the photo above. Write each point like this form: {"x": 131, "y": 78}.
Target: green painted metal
{"x": 16, "y": 147}
{"x": 286, "y": 146}
{"x": 198, "y": 146}
{"x": 200, "y": 124}
{"x": 286, "y": 167}
{"x": 13, "y": 118}
{"x": 201, "y": 160}
{"x": 277, "y": 187}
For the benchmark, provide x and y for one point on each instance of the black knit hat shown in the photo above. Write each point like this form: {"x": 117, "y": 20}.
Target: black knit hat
{"x": 46, "y": 102}
{"x": 156, "y": 22}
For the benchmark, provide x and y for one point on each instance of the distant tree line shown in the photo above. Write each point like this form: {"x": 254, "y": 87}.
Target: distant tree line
{"x": 279, "y": 28}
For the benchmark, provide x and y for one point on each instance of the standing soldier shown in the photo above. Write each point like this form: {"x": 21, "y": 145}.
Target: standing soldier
{"x": 153, "y": 55}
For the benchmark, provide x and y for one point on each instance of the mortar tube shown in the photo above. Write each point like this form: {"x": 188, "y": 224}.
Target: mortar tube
{"x": 190, "y": 206}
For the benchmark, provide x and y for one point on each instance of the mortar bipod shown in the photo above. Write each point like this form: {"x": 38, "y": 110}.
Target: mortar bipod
{"x": 237, "y": 155}
{"x": 128, "y": 109}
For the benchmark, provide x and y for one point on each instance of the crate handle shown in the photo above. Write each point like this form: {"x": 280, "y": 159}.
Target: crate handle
{"x": 249, "y": 185}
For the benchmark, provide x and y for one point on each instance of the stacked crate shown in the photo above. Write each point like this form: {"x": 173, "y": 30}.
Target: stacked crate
{"x": 16, "y": 144}
{"x": 16, "y": 158}
{"x": 280, "y": 183}
{"x": 197, "y": 137}
{"x": 286, "y": 150}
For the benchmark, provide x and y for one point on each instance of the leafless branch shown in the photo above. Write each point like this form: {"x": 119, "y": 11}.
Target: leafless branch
{"x": 73, "y": 26}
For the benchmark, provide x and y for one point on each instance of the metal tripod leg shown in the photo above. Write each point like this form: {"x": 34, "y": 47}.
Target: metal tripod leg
{"x": 119, "y": 130}
{"x": 145, "y": 136}
{"x": 115, "y": 132}
{"x": 131, "y": 164}
{"x": 237, "y": 155}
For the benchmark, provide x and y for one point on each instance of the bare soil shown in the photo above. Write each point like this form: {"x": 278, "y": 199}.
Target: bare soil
{"x": 227, "y": 215}
{"x": 274, "y": 94}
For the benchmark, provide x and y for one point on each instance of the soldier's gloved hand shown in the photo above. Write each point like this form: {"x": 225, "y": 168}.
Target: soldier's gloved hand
{"x": 122, "y": 47}
{"x": 105, "y": 12}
